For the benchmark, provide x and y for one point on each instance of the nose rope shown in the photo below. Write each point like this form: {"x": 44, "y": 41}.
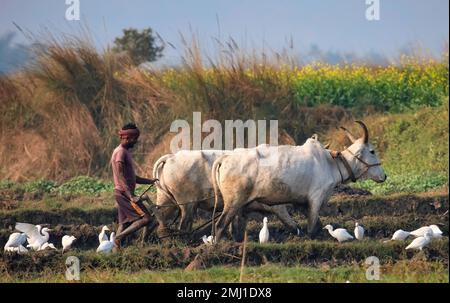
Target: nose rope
{"x": 367, "y": 165}
{"x": 338, "y": 155}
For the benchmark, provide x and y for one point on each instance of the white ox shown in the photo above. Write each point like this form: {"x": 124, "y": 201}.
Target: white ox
{"x": 185, "y": 184}
{"x": 304, "y": 175}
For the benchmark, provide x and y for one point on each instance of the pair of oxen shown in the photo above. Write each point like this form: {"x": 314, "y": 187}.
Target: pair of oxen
{"x": 264, "y": 179}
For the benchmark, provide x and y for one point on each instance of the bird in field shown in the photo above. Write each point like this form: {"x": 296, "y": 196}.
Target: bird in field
{"x": 359, "y": 231}
{"x": 208, "y": 240}
{"x": 422, "y": 241}
{"x": 399, "y": 235}
{"x": 339, "y": 234}
{"x": 107, "y": 245}
{"x": 47, "y": 245}
{"x": 436, "y": 232}
{"x": 67, "y": 241}
{"x": 38, "y": 228}
{"x": 102, "y": 236}
{"x": 36, "y": 237}
{"x": 15, "y": 240}
{"x": 264, "y": 232}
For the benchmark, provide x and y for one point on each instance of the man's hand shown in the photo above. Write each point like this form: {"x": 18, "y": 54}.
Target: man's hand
{"x": 153, "y": 181}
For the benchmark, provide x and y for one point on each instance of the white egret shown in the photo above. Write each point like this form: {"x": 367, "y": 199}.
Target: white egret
{"x": 67, "y": 242}
{"x": 36, "y": 238}
{"x": 359, "y": 231}
{"x": 421, "y": 242}
{"x": 399, "y": 235}
{"x": 264, "y": 233}
{"x": 102, "y": 236}
{"x": 208, "y": 240}
{"x": 15, "y": 240}
{"x": 107, "y": 246}
{"x": 420, "y": 232}
{"x": 47, "y": 245}
{"x": 339, "y": 234}
{"x": 437, "y": 233}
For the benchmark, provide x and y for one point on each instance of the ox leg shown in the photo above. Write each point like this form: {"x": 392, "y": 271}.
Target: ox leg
{"x": 238, "y": 226}
{"x": 166, "y": 214}
{"x": 187, "y": 216}
{"x": 282, "y": 213}
{"x": 313, "y": 219}
{"x": 224, "y": 220}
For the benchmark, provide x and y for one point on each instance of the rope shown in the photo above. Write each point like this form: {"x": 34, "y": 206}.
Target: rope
{"x": 193, "y": 231}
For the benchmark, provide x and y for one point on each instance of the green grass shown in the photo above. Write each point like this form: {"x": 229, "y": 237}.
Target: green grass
{"x": 399, "y": 272}
{"x": 405, "y": 183}
{"x": 165, "y": 256}
{"x": 80, "y": 185}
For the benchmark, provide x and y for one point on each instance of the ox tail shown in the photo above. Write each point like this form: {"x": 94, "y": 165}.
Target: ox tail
{"x": 215, "y": 182}
{"x": 157, "y": 170}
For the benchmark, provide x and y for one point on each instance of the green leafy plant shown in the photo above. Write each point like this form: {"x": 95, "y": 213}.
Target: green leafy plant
{"x": 84, "y": 185}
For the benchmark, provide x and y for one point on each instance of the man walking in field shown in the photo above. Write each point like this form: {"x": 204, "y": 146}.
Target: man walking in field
{"x": 132, "y": 213}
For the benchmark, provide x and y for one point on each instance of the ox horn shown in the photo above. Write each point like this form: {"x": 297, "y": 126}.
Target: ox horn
{"x": 349, "y": 134}
{"x": 366, "y": 132}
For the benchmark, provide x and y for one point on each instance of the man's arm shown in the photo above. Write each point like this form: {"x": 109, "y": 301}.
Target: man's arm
{"x": 140, "y": 180}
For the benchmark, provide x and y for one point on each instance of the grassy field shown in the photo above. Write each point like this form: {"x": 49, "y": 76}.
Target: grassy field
{"x": 288, "y": 258}
{"x": 400, "y": 272}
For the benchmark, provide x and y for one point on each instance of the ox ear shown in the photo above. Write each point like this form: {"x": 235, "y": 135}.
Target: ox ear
{"x": 366, "y": 132}
{"x": 349, "y": 134}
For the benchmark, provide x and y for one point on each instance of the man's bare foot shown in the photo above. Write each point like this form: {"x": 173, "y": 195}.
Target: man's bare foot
{"x": 116, "y": 246}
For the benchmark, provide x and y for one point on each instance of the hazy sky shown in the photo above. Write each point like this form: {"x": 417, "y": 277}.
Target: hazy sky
{"x": 329, "y": 24}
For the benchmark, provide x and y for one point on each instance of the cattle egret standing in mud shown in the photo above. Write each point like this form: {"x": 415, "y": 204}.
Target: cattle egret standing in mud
{"x": 359, "y": 231}
{"x": 339, "y": 234}
{"x": 36, "y": 237}
{"x": 15, "y": 240}
{"x": 107, "y": 246}
{"x": 420, "y": 232}
{"x": 264, "y": 233}
{"x": 421, "y": 242}
{"x": 102, "y": 236}
{"x": 67, "y": 242}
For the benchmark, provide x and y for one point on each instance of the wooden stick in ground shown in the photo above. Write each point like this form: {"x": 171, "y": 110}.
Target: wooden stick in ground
{"x": 244, "y": 252}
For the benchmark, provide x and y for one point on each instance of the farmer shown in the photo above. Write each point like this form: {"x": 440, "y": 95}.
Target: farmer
{"x": 132, "y": 213}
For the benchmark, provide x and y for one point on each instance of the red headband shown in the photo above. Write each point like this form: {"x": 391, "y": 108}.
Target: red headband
{"x": 129, "y": 133}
